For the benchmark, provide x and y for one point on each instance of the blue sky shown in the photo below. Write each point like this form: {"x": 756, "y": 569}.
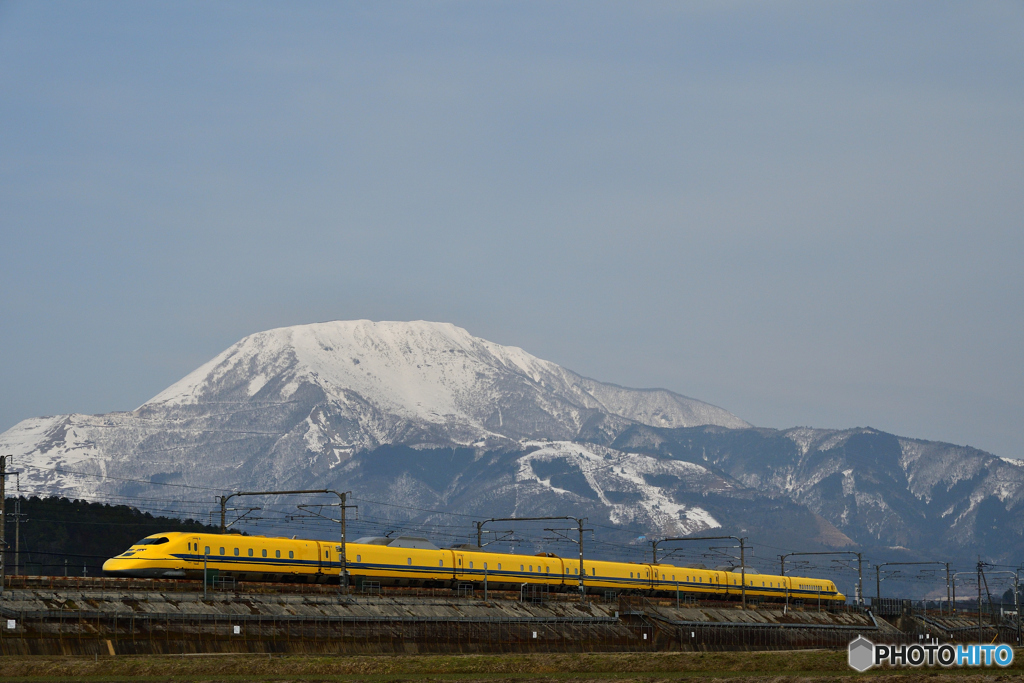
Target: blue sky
{"x": 807, "y": 213}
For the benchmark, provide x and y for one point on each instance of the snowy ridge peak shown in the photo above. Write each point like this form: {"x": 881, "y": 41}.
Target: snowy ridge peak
{"x": 429, "y": 372}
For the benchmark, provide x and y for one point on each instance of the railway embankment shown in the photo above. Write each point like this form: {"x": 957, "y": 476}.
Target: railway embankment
{"x": 105, "y": 622}
{"x": 111, "y": 618}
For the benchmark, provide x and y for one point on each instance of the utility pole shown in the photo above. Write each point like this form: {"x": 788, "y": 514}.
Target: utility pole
{"x": 743, "y": 564}
{"x": 583, "y": 593}
{"x": 743, "y": 575}
{"x": 1016, "y": 600}
{"x": 223, "y": 500}
{"x": 3, "y": 517}
{"x": 17, "y": 534}
{"x": 980, "y": 639}
{"x": 948, "y": 603}
{"x": 343, "y": 579}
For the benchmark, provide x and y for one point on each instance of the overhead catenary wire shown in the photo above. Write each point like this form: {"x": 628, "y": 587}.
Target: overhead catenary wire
{"x": 430, "y": 522}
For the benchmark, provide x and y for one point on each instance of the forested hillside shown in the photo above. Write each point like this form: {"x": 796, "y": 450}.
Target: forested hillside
{"x": 58, "y": 535}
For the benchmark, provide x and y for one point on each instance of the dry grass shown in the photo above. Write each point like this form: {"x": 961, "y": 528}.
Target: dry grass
{"x": 762, "y": 667}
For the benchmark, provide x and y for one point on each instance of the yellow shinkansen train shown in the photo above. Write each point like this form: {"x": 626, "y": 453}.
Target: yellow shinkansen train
{"x": 414, "y": 561}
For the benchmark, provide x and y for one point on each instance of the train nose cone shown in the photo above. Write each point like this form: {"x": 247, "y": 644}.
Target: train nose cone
{"x": 117, "y": 567}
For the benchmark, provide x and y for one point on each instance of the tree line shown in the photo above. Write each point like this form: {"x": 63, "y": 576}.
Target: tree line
{"x": 58, "y": 536}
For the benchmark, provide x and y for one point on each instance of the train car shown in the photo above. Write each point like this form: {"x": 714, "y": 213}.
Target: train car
{"x": 402, "y": 561}
{"x": 780, "y": 588}
{"x": 249, "y": 558}
{"x": 601, "y": 576}
{"x": 415, "y": 561}
{"x": 697, "y": 581}
{"x": 508, "y": 571}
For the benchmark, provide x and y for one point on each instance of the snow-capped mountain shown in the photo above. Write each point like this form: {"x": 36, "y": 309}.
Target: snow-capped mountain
{"x": 289, "y": 407}
{"x": 424, "y": 415}
{"x": 387, "y": 379}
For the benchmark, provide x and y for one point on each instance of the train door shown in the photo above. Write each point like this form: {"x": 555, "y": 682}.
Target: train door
{"x": 195, "y": 553}
{"x": 200, "y": 554}
{"x": 459, "y": 569}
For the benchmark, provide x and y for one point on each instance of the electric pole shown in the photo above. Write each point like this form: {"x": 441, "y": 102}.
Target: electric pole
{"x": 3, "y": 517}
{"x": 18, "y": 519}
{"x": 980, "y": 639}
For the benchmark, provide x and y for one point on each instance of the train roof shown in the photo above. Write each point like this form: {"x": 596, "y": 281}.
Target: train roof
{"x": 398, "y": 542}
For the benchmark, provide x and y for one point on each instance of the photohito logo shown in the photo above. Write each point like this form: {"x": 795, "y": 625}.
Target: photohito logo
{"x": 863, "y": 654}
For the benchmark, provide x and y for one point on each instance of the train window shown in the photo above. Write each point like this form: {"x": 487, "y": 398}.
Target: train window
{"x": 236, "y": 552}
{"x": 700, "y": 579}
{"x": 250, "y": 552}
{"x": 531, "y": 567}
{"x": 673, "y": 577}
{"x": 408, "y": 561}
{"x": 207, "y": 550}
{"x": 291, "y": 554}
{"x": 440, "y": 563}
{"x": 521, "y": 568}
{"x": 264, "y": 552}
{"x": 190, "y": 546}
{"x": 662, "y": 577}
{"x": 222, "y": 550}
{"x": 485, "y": 565}
{"x": 547, "y": 570}
{"x": 471, "y": 564}
{"x": 277, "y": 553}
{"x": 499, "y": 565}
{"x": 631, "y": 575}
{"x": 153, "y": 541}
{"x": 460, "y": 561}
{"x": 593, "y": 571}
{"x": 327, "y": 554}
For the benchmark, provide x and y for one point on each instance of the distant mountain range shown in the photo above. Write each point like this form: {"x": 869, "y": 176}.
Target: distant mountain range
{"x": 425, "y": 415}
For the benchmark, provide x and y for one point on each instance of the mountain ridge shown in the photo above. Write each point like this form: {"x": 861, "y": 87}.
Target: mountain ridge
{"x": 333, "y": 405}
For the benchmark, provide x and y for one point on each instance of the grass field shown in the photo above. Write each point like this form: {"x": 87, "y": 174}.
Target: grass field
{"x": 735, "y": 666}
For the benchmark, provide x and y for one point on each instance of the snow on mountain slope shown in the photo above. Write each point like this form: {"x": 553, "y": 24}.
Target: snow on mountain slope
{"x": 427, "y": 372}
{"x": 294, "y": 403}
{"x": 877, "y": 488}
{"x": 623, "y": 483}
